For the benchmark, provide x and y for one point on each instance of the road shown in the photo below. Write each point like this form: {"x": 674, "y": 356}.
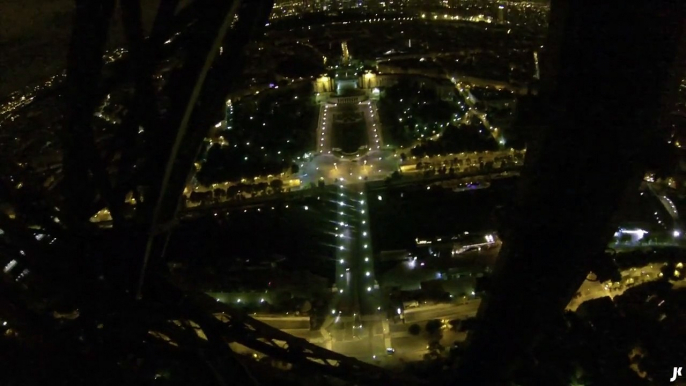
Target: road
{"x": 473, "y": 111}
{"x": 594, "y": 289}
{"x": 356, "y": 293}
{"x": 440, "y": 311}
{"x": 371, "y": 117}
{"x": 284, "y": 322}
{"x": 324, "y": 128}
{"x": 463, "y": 160}
{"x": 265, "y": 202}
{"x": 370, "y": 345}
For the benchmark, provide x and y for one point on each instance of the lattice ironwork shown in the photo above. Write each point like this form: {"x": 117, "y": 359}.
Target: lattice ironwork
{"x": 105, "y": 286}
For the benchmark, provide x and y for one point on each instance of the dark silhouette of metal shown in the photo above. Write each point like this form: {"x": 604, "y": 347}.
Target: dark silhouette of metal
{"x": 261, "y": 337}
{"x": 115, "y": 275}
{"x": 185, "y": 117}
{"x": 84, "y": 65}
{"x": 606, "y": 83}
{"x": 608, "y": 74}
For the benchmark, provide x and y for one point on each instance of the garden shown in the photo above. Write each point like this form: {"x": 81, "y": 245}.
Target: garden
{"x": 270, "y": 131}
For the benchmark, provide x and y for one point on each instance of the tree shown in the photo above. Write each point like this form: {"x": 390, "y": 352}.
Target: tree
{"x": 433, "y": 326}
{"x": 455, "y": 324}
{"x": 420, "y": 165}
{"x": 668, "y": 272}
{"x": 295, "y": 168}
{"x": 205, "y": 197}
{"x": 414, "y": 329}
{"x": 434, "y": 332}
{"x": 625, "y": 238}
{"x": 305, "y": 307}
{"x": 468, "y": 324}
{"x": 403, "y": 157}
{"x": 241, "y": 187}
{"x": 276, "y": 185}
{"x": 232, "y": 191}
{"x": 261, "y": 187}
{"x": 418, "y": 151}
{"x": 436, "y": 346}
{"x": 195, "y": 197}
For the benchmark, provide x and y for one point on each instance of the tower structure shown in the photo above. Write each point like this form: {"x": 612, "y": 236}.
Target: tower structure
{"x": 556, "y": 231}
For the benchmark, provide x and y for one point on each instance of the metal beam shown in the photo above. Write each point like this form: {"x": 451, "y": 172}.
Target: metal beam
{"x": 604, "y": 91}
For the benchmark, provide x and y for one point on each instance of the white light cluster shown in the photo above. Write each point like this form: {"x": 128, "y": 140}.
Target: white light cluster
{"x": 10, "y": 265}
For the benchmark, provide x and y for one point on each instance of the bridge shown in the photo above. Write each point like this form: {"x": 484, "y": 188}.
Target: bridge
{"x": 357, "y": 323}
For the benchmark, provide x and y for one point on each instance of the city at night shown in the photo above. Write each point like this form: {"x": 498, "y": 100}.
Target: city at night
{"x": 343, "y": 192}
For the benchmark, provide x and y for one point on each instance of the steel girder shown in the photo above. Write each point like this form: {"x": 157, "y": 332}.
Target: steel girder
{"x": 236, "y": 326}
{"x": 609, "y": 73}
{"x": 193, "y": 95}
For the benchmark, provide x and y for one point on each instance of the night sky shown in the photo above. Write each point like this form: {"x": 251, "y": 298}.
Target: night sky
{"x": 34, "y": 36}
